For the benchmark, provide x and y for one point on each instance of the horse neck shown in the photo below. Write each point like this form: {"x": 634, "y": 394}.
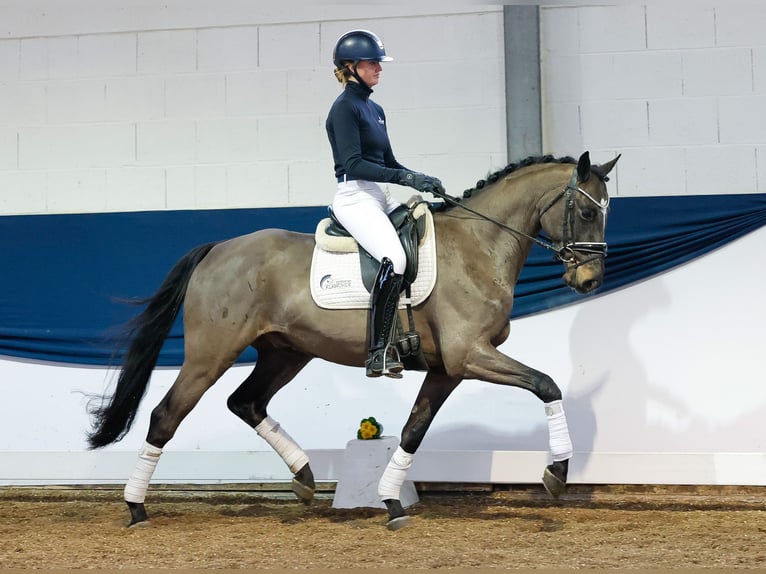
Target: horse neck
{"x": 515, "y": 201}
{"x": 471, "y": 243}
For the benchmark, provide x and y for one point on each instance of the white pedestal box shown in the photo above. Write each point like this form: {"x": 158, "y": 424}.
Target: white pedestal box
{"x": 363, "y": 464}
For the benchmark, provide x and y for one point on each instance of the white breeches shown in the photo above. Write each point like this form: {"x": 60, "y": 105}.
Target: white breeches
{"x": 362, "y": 207}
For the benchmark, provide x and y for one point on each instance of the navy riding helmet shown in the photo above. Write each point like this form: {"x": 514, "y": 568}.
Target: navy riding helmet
{"x": 358, "y": 45}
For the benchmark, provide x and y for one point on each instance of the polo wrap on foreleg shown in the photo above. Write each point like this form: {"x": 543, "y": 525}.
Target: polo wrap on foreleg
{"x": 393, "y": 477}
{"x": 270, "y": 431}
{"x": 135, "y": 489}
{"x": 558, "y": 432}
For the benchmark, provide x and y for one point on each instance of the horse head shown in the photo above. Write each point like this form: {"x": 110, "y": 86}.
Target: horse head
{"x": 575, "y": 219}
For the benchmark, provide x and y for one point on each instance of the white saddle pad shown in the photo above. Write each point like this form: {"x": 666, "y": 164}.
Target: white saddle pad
{"x": 336, "y": 276}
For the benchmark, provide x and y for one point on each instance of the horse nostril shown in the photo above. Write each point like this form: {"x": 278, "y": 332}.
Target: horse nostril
{"x": 590, "y": 285}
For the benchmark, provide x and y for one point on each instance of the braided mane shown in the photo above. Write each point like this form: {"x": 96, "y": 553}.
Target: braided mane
{"x": 511, "y": 167}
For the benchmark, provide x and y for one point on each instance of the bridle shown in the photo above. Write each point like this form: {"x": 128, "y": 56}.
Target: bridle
{"x": 569, "y": 249}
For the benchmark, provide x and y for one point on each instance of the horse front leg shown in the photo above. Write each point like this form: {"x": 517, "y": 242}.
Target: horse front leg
{"x": 486, "y": 363}
{"x": 433, "y": 392}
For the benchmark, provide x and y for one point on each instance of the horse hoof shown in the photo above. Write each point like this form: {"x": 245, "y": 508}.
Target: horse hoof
{"x": 398, "y": 523}
{"x": 138, "y": 516}
{"x": 396, "y": 517}
{"x": 142, "y": 524}
{"x": 303, "y": 492}
{"x": 553, "y": 484}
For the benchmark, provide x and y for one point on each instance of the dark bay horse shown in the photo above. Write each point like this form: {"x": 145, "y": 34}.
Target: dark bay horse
{"x": 254, "y": 291}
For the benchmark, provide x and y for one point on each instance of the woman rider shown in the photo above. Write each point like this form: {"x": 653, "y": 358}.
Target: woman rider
{"x": 356, "y": 128}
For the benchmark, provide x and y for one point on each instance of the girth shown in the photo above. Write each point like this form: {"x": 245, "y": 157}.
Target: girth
{"x": 410, "y": 231}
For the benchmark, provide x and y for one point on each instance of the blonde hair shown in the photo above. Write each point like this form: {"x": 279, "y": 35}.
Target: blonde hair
{"x": 342, "y": 74}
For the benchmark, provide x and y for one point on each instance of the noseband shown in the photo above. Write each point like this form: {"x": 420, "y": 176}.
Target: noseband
{"x": 569, "y": 249}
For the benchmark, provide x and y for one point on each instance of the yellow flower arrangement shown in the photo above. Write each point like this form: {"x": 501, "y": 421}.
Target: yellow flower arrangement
{"x": 369, "y": 429}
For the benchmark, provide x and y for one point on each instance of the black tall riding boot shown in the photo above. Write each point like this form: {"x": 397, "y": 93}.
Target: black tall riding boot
{"x": 384, "y": 358}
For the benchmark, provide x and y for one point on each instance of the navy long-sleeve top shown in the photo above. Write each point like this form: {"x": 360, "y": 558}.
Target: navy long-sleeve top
{"x": 356, "y": 128}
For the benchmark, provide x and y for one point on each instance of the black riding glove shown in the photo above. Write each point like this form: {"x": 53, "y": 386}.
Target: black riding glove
{"x": 420, "y": 181}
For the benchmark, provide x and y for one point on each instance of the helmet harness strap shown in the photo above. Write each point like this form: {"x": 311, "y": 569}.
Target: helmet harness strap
{"x": 357, "y": 76}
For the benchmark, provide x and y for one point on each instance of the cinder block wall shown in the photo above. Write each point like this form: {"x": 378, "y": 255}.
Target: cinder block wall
{"x": 679, "y": 88}
{"x": 183, "y": 107}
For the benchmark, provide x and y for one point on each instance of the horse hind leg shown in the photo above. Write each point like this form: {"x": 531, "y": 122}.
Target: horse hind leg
{"x": 273, "y": 370}
{"x": 183, "y": 396}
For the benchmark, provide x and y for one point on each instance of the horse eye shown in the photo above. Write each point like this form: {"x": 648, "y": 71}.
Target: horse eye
{"x": 588, "y": 214}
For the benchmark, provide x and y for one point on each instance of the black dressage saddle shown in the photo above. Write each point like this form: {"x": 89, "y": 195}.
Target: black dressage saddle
{"x": 410, "y": 231}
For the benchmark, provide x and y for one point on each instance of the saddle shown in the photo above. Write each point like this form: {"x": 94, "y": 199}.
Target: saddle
{"x": 410, "y": 225}
{"x": 409, "y": 221}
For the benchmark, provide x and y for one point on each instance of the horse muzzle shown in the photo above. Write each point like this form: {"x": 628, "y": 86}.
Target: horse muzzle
{"x": 585, "y": 276}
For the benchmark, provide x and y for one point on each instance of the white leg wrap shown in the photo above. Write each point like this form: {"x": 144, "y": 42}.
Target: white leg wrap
{"x": 135, "y": 489}
{"x": 393, "y": 477}
{"x": 270, "y": 431}
{"x": 558, "y": 432}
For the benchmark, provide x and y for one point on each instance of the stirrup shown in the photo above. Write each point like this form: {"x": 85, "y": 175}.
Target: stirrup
{"x": 384, "y": 361}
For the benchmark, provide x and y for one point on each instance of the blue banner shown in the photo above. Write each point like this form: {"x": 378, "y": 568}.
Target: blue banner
{"x": 65, "y": 278}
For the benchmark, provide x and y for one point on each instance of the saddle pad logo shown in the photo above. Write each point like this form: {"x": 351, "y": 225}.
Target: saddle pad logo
{"x": 328, "y": 282}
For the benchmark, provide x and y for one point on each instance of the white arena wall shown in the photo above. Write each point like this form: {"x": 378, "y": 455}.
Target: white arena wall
{"x": 189, "y": 107}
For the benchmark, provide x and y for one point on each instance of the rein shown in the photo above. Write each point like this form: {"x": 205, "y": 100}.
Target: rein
{"x": 567, "y": 252}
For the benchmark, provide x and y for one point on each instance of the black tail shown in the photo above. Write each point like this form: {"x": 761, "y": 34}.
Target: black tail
{"x": 146, "y": 334}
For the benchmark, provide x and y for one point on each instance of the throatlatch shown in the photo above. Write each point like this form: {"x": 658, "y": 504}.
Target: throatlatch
{"x": 383, "y": 356}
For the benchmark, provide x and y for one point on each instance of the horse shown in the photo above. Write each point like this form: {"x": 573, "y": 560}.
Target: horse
{"x": 253, "y": 290}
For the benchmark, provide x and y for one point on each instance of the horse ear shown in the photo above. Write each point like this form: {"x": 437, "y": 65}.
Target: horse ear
{"x": 607, "y": 167}
{"x": 583, "y": 167}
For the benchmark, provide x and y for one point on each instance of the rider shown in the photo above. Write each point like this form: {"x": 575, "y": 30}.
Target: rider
{"x": 356, "y": 128}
